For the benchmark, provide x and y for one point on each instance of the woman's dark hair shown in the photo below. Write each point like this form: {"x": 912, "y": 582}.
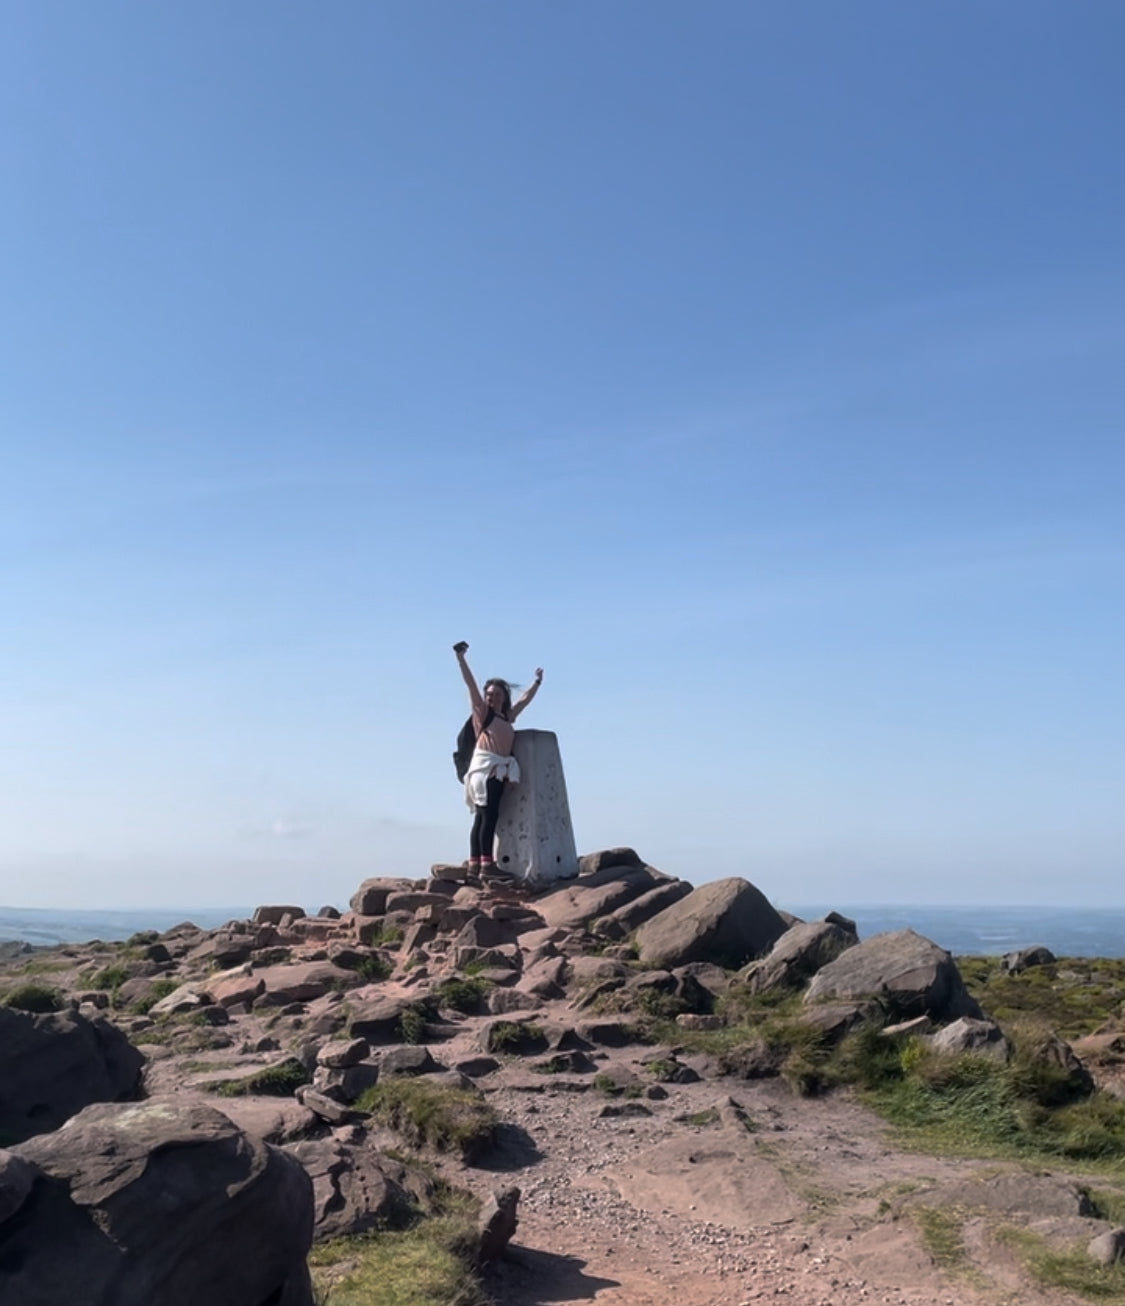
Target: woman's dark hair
{"x": 505, "y": 689}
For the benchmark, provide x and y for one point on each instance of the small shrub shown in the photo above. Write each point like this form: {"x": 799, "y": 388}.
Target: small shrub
{"x": 111, "y": 978}
{"x": 34, "y": 998}
{"x": 429, "y": 1115}
{"x": 374, "y": 968}
{"x": 659, "y": 1006}
{"x": 413, "y": 1022}
{"x": 464, "y": 995}
{"x": 515, "y": 1036}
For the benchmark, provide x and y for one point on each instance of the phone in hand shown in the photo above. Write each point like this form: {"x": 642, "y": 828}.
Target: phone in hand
{"x": 460, "y": 647}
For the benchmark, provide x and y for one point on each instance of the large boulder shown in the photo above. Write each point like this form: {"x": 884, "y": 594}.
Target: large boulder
{"x": 356, "y": 1189}
{"x": 727, "y": 922}
{"x": 907, "y": 974}
{"x": 576, "y": 902}
{"x": 800, "y": 952}
{"x": 157, "y": 1204}
{"x": 53, "y": 1065}
{"x": 621, "y": 923}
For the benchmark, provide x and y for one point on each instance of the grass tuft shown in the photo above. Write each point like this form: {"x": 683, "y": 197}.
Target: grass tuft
{"x": 281, "y": 1080}
{"x": 34, "y": 998}
{"x": 431, "y": 1115}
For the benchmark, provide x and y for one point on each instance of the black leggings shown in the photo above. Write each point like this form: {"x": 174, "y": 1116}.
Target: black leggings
{"x": 484, "y": 822}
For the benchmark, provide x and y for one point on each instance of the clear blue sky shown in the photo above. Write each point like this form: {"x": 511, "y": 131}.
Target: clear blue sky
{"x": 757, "y": 369}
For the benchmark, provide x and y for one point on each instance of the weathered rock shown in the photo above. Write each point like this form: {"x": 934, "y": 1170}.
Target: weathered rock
{"x": 379, "y": 1020}
{"x": 1039, "y": 1196}
{"x": 407, "y": 1060}
{"x": 545, "y": 979}
{"x": 54, "y": 1064}
{"x": 631, "y": 916}
{"x": 346, "y": 1083}
{"x": 451, "y": 872}
{"x": 302, "y": 982}
{"x": 188, "y": 997}
{"x": 275, "y": 915}
{"x": 907, "y": 974}
{"x": 502, "y": 1002}
{"x": 235, "y": 990}
{"x": 756, "y": 1060}
{"x": 967, "y": 1035}
{"x": 16, "y": 1179}
{"x": 498, "y": 1222}
{"x": 728, "y": 922}
{"x": 606, "y": 859}
{"x": 340, "y": 1055}
{"x": 1107, "y": 1248}
{"x": 1016, "y": 962}
{"x": 800, "y": 952}
{"x": 483, "y": 931}
{"x": 158, "y": 1204}
{"x": 1066, "y": 1077}
{"x": 355, "y": 1189}
{"x": 596, "y": 894}
{"x": 606, "y": 1033}
{"x": 370, "y": 899}
{"x": 407, "y": 900}
{"x": 835, "y": 1019}
{"x": 325, "y": 1107}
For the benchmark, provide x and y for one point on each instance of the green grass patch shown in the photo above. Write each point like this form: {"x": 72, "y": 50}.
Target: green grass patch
{"x": 1073, "y": 996}
{"x": 374, "y": 968}
{"x": 940, "y": 1228}
{"x": 431, "y": 1115}
{"x": 390, "y": 936}
{"x": 978, "y": 1106}
{"x": 281, "y": 1080}
{"x": 1109, "y": 1203}
{"x": 110, "y": 978}
{"x": 34, "y": 998}
{"x": 1072, "y": 1271}
{"x": 429, "y": 1265}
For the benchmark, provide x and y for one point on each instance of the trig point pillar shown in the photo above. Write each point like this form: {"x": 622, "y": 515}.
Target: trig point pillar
{"x": 534, "y": 837}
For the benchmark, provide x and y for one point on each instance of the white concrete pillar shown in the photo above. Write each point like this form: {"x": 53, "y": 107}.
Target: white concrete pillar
{"x": 534, "y": 836}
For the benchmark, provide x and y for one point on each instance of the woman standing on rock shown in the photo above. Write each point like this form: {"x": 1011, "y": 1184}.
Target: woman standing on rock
{"x": 492, "y": 764}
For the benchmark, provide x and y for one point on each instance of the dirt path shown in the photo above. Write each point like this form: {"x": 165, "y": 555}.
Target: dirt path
{"x": 718, "y": 1195}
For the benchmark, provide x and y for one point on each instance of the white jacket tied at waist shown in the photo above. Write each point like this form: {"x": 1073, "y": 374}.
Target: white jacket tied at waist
{"x": 485, "y": 766}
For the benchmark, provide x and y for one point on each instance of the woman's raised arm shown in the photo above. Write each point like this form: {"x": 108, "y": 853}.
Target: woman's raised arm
{"x": 528, "y": 694}
{"x": 461, "y": 648}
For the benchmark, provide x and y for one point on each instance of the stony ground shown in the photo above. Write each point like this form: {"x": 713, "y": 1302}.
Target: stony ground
{"x": 712, "y": 1192}
{"x": 638, "y": 1202}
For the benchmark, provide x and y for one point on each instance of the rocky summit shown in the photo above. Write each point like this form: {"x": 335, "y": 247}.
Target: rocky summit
{"x": 650, "y": 1089}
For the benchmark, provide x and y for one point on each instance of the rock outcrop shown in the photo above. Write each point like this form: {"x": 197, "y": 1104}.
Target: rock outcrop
{"x": 52, "y": 1065}
{"x": 729, "y": 922}
{"x": 905, "y": 973}
{"x": 157, "y": 1204}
